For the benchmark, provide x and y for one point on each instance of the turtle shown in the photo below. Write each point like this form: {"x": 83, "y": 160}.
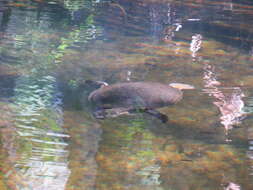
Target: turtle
{"x": 131, "y": 97}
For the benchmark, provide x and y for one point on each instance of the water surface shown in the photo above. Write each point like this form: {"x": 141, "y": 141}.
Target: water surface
{"x": 49, "y": 139}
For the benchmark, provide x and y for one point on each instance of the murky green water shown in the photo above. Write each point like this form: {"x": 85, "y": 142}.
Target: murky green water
{"x": 49, "y": 139}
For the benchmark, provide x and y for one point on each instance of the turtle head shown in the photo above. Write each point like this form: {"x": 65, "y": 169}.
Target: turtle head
{"x": 182, "y": 86}
{"x": 98, "y": 84}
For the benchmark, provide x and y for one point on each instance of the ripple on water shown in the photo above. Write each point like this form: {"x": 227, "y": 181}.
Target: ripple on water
{"x": 41, "y": 160}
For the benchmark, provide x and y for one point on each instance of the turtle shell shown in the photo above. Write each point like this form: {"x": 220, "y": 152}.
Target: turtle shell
{"x": 148, "y": 95}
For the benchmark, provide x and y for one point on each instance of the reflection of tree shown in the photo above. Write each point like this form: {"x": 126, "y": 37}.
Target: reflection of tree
{"x": 140, "y": 18}
{"x": 156, "y": 20}
{"x": 249, "y": 110}
{"x": 6, "y": 13}
{"x": 75, "y": 39}
{"x": 163, "y": 22}
{"x": 40, "y": 160}
{"x": 36, "y": 148}
{"x": 75, "y": 5}
{"x": 78, "y": 37}
{"x": 85, "y": 137}
{"x": 250, "y": 151}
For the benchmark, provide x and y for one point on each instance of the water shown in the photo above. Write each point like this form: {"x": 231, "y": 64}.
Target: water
{"x": 49, "y": 139}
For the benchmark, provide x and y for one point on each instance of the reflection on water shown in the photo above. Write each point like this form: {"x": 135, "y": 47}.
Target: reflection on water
{"x": 232, "y": 186}
{"x": 158, "y": 19}
{"x": 195, "y": 44}
{"x": 130, "y": 147}
{"x": 248, "y": 109}
{"x": 41, "y": 162}
{"x": 229, "y": 102}
{"x": 250, "y": 155}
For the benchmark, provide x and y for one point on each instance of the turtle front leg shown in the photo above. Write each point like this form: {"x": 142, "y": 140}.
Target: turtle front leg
{"x": 99, "y": 114}
{"x": 157, "y": 114}
{"x": 103, "y": 113}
